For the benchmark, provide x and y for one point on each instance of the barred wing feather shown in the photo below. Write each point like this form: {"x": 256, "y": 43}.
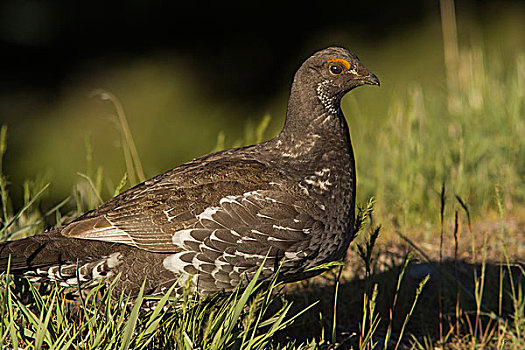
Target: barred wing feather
{"x": 217, "y": 238}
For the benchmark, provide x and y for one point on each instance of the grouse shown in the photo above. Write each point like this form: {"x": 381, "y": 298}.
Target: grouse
{"x": 215, "y": 219}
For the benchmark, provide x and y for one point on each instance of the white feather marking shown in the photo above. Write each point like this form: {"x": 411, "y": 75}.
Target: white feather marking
{"x": 316, "y": 182}
{"x": 249, "y": 256}
{"x": 114, "y": 260}
{"x": 258, "y": 232}
{"x": 203, "y": 247}
{"x": 95, "y": 271}
{"x": 272, "y": 200}
{"x": 221, "y": 263}
{"x": 249, "y": 200}
{"x": 290, "y": 255}
{"x": 304, "y": 189}
{"x": 228, "y": 255}
{"x": 295, "y": 255}
{"x": 71, "y": 281}
{"x": 327, "y": 101}
{"x": 82, "y": 277}
{"x": 259, "y": 195}
{"x": 278, "y": 227}
{"x": 229, "y": 199}
{"x": 64, "y": 267}
{"x": 235, "y": 233}
{"x": 213, "y": 237}
{"x": 326, "y": 119}
{"x": 219, "y": 267}
{"x": 322, "y": 172}
{"x": 180, "y": 238}
{"x": 170, "y": 217}
{"x": 263, "y": 216}
{"x": 174, "y": 263}
{"x": 275, "y": 239}
{"x": 196, "y": 262}
{"x": 208, "y": 213}
{"x": 51, "y": 272}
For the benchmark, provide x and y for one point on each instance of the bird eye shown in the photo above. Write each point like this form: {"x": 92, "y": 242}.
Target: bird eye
{"x": 335, "y": 68}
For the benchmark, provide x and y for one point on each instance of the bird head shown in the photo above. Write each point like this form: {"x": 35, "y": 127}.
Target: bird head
{"x": 333, "y": 72}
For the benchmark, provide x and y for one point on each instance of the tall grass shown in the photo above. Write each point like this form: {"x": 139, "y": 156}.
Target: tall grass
{"x": 242, "y": 320}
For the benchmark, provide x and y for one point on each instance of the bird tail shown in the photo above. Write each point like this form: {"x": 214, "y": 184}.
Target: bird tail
{"x": 69, "y": 261}
{"x": 40, "y": 251}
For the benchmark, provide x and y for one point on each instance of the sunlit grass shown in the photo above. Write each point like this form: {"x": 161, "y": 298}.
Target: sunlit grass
{"x": 242, "y": 319}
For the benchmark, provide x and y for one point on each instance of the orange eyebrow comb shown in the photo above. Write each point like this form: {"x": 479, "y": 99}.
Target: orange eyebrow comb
{"x": 340, "y": 60}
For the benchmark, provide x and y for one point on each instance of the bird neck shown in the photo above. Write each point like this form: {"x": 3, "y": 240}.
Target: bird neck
{"x": 315, "y": 129}
{"x": 314, "y": 147}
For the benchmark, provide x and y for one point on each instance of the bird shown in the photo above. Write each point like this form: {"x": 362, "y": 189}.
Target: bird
{"x": 286, "y": 204}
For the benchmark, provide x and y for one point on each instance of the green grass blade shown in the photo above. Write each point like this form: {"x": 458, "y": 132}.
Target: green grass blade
{"x": 232, "y": 316}
{"x": 19, "y": 213}
{"x": 407, "y": 318}
{"x": 43, "y": 332}
{"x": 121, "y": 184}
{"x": 129, "y": 328}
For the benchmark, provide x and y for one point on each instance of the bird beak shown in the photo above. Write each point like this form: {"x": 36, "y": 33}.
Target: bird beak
{"x": 371, "y": 79}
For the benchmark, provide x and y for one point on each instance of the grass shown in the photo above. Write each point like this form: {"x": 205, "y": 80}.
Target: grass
{"x": 391, "y": 295}
{"x": 98, "y": 321}
{"x": 438, "y": 262}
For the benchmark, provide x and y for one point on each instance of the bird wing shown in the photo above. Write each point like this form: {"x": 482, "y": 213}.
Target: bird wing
{"x": 238, "y": 210}
{"x": 234, "y": 238}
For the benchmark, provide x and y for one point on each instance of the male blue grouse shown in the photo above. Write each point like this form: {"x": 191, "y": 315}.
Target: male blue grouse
{"x": 215, "y": 218}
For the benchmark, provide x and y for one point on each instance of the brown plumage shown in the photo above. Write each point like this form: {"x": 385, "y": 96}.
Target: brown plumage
{"x": 215, "y": 218}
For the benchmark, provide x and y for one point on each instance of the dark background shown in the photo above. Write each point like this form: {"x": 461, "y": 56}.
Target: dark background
{"x": 241, "y": 49}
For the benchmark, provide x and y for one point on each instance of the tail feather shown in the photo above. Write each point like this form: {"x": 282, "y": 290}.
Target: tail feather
{"x": 48, "y": 249}
{"x": 70, "y": 261}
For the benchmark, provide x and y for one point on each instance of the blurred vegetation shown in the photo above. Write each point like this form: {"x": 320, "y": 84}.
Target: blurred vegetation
{"x": 474, "y": 149}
